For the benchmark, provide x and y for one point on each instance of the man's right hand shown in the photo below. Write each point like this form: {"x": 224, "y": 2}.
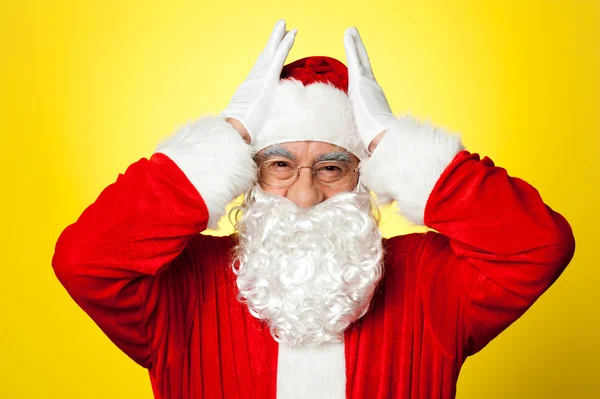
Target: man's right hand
{"x": 248, "y": 108}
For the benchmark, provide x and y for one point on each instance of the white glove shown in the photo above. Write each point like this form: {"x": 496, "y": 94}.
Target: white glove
{"x": 372, "y": 112}
{"x": 250, "y": 101}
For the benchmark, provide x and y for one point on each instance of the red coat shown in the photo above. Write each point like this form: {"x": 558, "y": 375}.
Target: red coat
{"x": 165, "y": 295}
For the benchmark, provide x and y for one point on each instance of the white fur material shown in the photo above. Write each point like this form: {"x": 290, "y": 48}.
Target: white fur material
{"x": 407, "y": 163}
{"x": 311, "y": 372}
{"x": 308, "y": 272}
{"x": 317, "y": 112}
{"x": 215, "y": 159}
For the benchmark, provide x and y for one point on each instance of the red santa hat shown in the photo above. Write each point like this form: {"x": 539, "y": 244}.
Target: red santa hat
{"x": 311, "y": 104}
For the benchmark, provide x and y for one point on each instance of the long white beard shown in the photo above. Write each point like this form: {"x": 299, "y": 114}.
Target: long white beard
{"x": 309, "y": 273}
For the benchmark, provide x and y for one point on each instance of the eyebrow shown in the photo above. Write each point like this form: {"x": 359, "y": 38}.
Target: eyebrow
{"x": 278, "y": 151}
{"x": 333, "y": 156}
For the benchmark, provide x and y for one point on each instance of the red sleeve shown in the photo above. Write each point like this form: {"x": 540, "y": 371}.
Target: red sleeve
{"x": 498, "y": 249}
{"x": 108, "y": 259}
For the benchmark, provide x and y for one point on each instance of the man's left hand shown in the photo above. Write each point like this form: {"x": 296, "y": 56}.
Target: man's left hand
{"x": 371, "y": 109}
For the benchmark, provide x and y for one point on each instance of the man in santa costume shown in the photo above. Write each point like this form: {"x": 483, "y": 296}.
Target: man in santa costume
{"x": 307, "y": 300}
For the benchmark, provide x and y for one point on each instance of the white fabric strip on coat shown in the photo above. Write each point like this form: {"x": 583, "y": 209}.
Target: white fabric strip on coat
{"x": 311, "y": 372}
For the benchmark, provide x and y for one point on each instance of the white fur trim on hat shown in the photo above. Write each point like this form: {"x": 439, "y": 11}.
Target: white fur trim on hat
{"x": 316, "y": 112}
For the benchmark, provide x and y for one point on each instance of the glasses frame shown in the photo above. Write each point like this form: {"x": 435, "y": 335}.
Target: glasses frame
{"x": 297, "y": 173}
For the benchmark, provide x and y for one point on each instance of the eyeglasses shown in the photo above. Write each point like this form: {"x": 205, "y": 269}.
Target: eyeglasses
{"x": 282, "y": 172}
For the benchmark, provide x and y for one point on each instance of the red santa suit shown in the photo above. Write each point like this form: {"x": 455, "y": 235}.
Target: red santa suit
{"x": 135, "y": 262}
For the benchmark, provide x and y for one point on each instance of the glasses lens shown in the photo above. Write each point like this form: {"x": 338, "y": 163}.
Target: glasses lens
{"x": 333, "y": 173}
{"x": 278, "y": 172}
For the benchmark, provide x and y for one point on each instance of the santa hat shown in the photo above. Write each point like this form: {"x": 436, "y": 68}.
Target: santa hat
{"x": 311, "y": 104}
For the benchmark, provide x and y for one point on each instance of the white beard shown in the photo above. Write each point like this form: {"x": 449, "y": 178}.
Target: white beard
{"x": 309, "y": 273}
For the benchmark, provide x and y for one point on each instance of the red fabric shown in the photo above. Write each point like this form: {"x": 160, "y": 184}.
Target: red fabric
{"x": 134, "y": 261}
{"x": 318, "y": 69}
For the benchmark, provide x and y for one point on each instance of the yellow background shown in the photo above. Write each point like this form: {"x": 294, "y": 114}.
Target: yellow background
{"x": 89, "y": 87}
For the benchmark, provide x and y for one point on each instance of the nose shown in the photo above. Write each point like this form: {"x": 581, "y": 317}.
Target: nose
{"x": 305, "y": 192}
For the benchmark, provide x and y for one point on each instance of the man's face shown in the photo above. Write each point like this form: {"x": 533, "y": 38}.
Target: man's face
{"x": 309, "y": 255}
{"x": 307, "y": 190}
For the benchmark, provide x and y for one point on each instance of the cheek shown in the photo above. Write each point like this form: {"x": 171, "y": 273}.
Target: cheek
{"x": 272, "y": 190}
{"x": 329, "y": 192}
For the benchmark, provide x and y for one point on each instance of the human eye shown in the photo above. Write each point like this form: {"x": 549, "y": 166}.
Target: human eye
{"x": 332, "y": 168}
{"x": 330, "y": 171}
{"x": 279, "y": 168}
{"x": 281, "y": 164}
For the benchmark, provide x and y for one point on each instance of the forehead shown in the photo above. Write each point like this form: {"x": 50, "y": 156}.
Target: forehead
{"x": 308, "y": 150}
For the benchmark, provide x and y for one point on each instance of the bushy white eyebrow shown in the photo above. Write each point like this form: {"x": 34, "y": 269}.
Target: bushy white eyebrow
{"x": 278, "y": 151}
{"x": 333, "y": 156}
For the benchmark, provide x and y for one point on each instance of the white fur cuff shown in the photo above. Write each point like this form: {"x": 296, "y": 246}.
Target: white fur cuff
{"x": 215, "y": 159}
{"x": 407, "y": 163}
